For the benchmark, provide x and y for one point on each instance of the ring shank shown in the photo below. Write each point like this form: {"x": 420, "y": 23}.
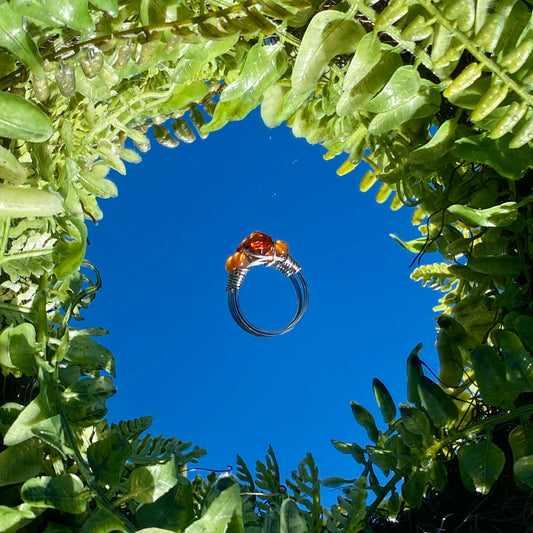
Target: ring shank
{"x": 302, "y": 295}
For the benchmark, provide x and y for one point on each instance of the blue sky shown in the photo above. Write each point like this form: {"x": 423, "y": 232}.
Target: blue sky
{"x": 161, "y": 249}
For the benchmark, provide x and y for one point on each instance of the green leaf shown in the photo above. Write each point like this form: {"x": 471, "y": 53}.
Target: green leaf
{"x": 414, "y": 487}
{"x": 523, "y": 325}
{"x": 521, "y": 441}
{"x": 490, "y": 376}
{"x": 13, "y": 519}
{"x": 19, "y": 202}
{"x": 10, "y": 168}
{"x": 415, "y": 420}
{"x": 65, "y": 493}
{"x": 69, "y": 253}
{"x": 90, "y": 355}
{"x": 90, "y": 390}
{"x": 384, "y": 400}
{"x": 107, "y": 458}
{"x": 480, "y": 465}
{"x": 20, "y": 119}
{"x": 367, "y": 55}
{"x": 264, "y": 65}
{"x": 449, "y": 351}
{"x": 330, "y": 33}
{"x": 52, "y": 431}
{"x": 20, "y": 462}
{"x": 16, "y": 39}
{"x": 148, "y": 483}
{"x": 36, "y": 411}
{"x": 183, "y": 95}
{"x": 510, "y": 163}
{"x": 18, "y": 349}
{"x": 523, "y": 470}
{"x": 103, "y": 521}
{"x": 518, "y": 361}
{"x": 224, "y": 514}
{"x": 109, "y": 6}
{"x": 414, "y": 371}
{"x": 71, "y": 13}
{"x": 440, "y": 407}
{"x": 291, "y": 519}
{"x": 365, "y": 419}
{"x": 424, "y": 104}
{"x": 504, "y": 265}
{"x": 498, "y": 216}
{"x": 423, "y": 244}
{"x": 173, "y": 511}
{"x": 35, "y": 10}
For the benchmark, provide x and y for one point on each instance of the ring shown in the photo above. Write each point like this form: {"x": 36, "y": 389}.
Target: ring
{"x": 259, "y": 249}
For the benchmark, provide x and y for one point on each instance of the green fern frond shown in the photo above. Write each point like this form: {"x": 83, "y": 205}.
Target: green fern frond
{"x": 131, "y": 429}
{"x": 436, "y": 276}
{"x": 152, "y": 450}
{"x": 349, "y": 514}
{"x": 305, "y": 486}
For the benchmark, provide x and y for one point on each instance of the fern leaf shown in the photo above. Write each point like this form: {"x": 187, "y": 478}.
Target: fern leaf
{"x": 151, "y": 450}
{"x": 437, "y": 276}
{"x": 131, "y": 429}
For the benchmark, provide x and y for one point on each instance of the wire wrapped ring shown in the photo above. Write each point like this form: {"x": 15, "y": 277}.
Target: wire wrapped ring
{"x": 260, "y": 249}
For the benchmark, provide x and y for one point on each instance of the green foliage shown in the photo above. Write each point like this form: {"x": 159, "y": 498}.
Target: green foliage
{"x": 435, "y": 97}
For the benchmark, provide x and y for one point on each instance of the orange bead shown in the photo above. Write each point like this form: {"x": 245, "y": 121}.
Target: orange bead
{"x": 237, "y": 260}
{"x": 282, "y": 249}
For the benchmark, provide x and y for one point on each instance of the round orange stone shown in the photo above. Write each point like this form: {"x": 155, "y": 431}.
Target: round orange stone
{"x": 282, "y": 248}
{"x": 237, "y": 260}
{"x": 257, "y": 243}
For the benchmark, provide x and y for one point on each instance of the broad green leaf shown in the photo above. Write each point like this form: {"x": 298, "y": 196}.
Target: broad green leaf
{"x": 264, "y": 65}
{"x": 505, "y": 265}
{"x": 521, "y": 441}
{"x": 437, "y": 473}
{"x": 148, "y": 483}
{"x": 89, "y": 390}
{"x": 498, "y": 216}
{"x": 65, "y": 493}
{"x": 16, "y": 39}
{"x": 365, "y": 419}
{"x": 449, "y": 351}
{"x": 415, "y": 420}
{"x": 173, "y": 511}
{"x": 424, "y": 104}
{"x": 329, "y": 34}
{"x": 35, "y": 10}
{"x": 224, "y": 514}
{"x": 523, "y": 325}
{"x": 10, "y": 168}
{"x": 384, "y": 401}
{"x": 350, "y": 448}
{"x": 401, "y": 88}
{"x": 13, "y": 519}
{"x": 71, "y": 13}
{"x": 510, "y": 163}
{"x": 104, "y": 521}
{"x": 414, "y": 371}
{"x": 416, "y": 245}
{"x": 523, "y": 470}
{"x": 109, "y": 6}
{"x": 19, "y": 202}
{"x": 195, "y": 56}
{"x": 107, "y": 458}
{"x": 183, "y": 95}
{"x": 36, "y": 411}
{"x": 490, "y": 377}
{"x": 232, "y": 110}
{"x": 291, "y": 518}
{"x": 439, "y": 406}
{"x": 414, "y": 487}
{"x": 18, "y": 349}
{"x": 367, "y": 55}
{"x": 480, "y": 464}
{"x": 52, "y": 431}
{"x": 518, "y": 361}
{"x": 90, "y": 355}
{"x": 20, "y": 119}
{"x": 21, "y": 462}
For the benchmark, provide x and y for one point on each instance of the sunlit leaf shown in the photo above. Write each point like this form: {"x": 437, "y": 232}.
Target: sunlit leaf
{"x": 329, "y": 34}
{"x": 384, "y": 400}
{"x": 21, "y": 462}
{"x": 518, "y": 361}
{"x": 65, "y": 493}
{"x": 148, "y": 483}
{"x": 365, "y": 419}
{"x": 107, "y": 458}
{"x": 73, "y": 14}
{"x": 480, "y": 465}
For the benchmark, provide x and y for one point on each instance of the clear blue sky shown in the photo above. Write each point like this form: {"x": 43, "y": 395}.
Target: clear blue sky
{"x": 161, "y": 249}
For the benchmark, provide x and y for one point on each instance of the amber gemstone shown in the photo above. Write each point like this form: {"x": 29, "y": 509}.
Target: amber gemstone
{"x": 257, "y": 243}
{"x": 282, "y": 249}
{"x": 237, "y": 260}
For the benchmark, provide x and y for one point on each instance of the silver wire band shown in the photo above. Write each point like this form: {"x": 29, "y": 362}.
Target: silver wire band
{"x": 287, "y": 266}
